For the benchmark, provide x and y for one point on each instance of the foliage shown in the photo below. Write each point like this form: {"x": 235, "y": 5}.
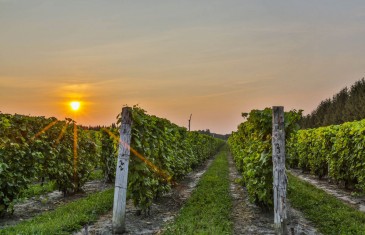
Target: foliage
{"x": 337, "y": 151}
{"x": 36, "y": 148}
{"x": 205, "y": 212}
{"x": 252, "y": 152}
{"x": 345, "y": 106}
{"x": 39, "y": 148}
{"x": 72, "y": 170}
{"x": 108, "y": 155}
{"x": 16, "y": 161}
{"x": 171, "y": 149}
{"x": 38, "y": 189}
{"x": 215, "y": 135}
{"x": 96, "y": 175}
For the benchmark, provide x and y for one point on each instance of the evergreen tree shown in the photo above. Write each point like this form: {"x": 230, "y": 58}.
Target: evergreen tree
{"x": 345, "y": 106}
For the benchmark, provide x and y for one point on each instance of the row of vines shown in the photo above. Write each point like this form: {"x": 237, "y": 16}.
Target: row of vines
{"x": 336, "y": 151}
{"x": 38, "y": 149}
{"x": 251, "y": 148}
{"x": 34, "y": 149}
{"x": 169, "y": 150}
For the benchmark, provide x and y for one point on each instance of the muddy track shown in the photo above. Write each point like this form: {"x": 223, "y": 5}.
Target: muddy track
{"x": 332, "y": 189}
{"x": 163, "y": 210}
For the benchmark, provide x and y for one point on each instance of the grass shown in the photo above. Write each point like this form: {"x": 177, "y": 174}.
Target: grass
{"x": 207, "y": 211}
{"x": 97, "y": 175}
{"x": 66, "y": 218}
{"x": 38, "y": 189}
{"x": 49, "y": 186}
{"x": 329, "y": 214}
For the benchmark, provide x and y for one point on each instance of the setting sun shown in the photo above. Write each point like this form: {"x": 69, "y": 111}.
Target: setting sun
{"x": 75, "y": 105}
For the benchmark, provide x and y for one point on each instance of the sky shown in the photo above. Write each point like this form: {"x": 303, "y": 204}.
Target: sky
{"x": 212, "y": 59}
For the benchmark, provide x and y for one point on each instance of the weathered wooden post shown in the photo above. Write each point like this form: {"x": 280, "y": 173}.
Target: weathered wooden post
{"x": 121, "y": 178}
{"x": 190, "y": 121}
{"x": 280, "y": 179}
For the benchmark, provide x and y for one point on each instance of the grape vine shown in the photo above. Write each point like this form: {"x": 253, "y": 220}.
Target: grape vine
{"x": 252, "y": 151}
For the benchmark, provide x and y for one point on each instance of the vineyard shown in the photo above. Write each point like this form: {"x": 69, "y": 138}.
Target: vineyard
{"x": 35, "y": 149}
{"x": 335, "y": 151}
{"x": 39, "y": 152}
{"x": 251, "y": 149}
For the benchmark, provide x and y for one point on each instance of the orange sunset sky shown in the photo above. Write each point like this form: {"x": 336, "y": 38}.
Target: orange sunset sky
{"x": 214, "y": 59}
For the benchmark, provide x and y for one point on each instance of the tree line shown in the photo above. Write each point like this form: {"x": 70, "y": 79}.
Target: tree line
{"x": 345, "y": 106}
{"x": 215, "y": 135}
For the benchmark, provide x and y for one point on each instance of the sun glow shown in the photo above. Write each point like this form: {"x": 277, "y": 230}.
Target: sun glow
{"x": 75, "y": 105}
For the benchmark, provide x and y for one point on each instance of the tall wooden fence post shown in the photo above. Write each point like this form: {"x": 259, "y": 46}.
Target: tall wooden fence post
{"x": 121, "y": 178}
{"x": 279, "y": 175}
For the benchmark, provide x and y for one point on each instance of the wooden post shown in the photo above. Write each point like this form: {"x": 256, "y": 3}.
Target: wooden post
{"x": 121, "y": 178}
{"x": 190, "y": 121}
{"x": 76, "y": 179}
{"x": 279, "y": 175}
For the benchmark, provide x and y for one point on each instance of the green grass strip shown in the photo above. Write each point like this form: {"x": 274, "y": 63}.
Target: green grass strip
{"x": 66, "y": 218}
{"x": 208, "y": 209}
{"x": 329, "y": 214}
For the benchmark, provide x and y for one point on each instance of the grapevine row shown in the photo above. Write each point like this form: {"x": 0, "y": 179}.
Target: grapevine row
{"x": 336, "y": 151}
{"x": 251, "y": 148}
{"x": 172, "y": 150}
{"x": 29, "y": 152}
{"x": 34, "y": 149}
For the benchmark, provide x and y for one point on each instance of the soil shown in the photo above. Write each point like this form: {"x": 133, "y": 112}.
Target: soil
{"x": 36, "y": 205}
{"x": 333, "y": 189}
{"x": 247, "y": 218}
{"x": 251, "y": 219}
{"x": 163, "y": 210}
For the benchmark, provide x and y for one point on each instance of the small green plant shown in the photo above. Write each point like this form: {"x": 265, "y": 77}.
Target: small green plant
{"x": 44, "y": 200}
{"x": 38, "y": 189}
{"x": 96, "y": 175}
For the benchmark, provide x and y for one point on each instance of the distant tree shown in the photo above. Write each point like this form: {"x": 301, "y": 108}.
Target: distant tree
{"x": 355, "y": 107}
{"x": 219, "y": 136}
{"x": 345, "y": 106}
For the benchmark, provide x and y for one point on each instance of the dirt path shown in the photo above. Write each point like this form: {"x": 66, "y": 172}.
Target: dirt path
{"x": 333, "y": 189}
{"x": 250, "y": 219}
{"x": 247, "y": 218}
{"x": 37, "y": 205}
{"x": 162, "y": 211}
